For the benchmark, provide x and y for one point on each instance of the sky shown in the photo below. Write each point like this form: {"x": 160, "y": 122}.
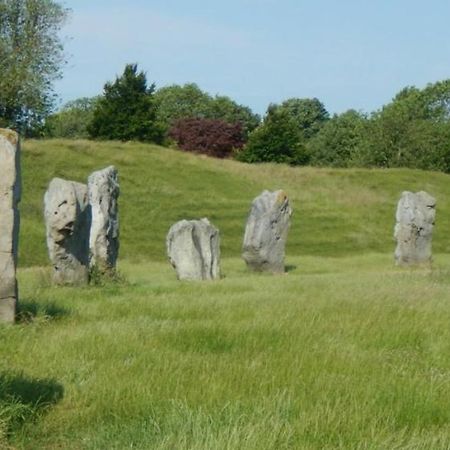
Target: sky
{"x": 347, "y": 53}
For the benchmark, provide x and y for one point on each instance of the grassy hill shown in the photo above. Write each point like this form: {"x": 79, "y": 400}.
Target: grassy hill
{"x": 346, "y": 351}
{"x": 336, "y": 212}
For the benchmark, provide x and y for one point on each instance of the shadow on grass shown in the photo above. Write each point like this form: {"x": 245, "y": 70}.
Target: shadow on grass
{"x": 290, "y": 268}
{"x": 29, "y": 310}
{"x": 23, "y": 398}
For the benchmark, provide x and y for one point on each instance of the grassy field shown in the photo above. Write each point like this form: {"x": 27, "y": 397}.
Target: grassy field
{"x": 336, "y": 212}
{"x": 345, "y": 351}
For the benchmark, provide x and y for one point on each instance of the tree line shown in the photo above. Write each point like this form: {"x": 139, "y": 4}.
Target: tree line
{"x": 413, "y": 130}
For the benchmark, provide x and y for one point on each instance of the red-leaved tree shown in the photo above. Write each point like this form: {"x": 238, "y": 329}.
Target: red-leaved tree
{"x": 209, "y": 136}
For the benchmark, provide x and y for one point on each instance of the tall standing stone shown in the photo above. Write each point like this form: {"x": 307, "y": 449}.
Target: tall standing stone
{"x": 193, "y": 247}
{"x": 9, "y": 222}
{"x": 103, "y": 192}
{"x": 414, "y": 228}
{"x": 266, "y": 232}
{"x": 67, "y": 219}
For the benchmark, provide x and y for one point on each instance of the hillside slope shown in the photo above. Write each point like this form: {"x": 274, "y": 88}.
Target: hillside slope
{"x": 336, "y": 212}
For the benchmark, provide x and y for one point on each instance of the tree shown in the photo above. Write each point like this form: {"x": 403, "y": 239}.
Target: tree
{"x": 189, "y": 101}
{"x": 223, "y": 108}
{"x": 338, "y": 143}
{"x": 127, "y": 110}
{"x": 411, "y": 131}
{"x": 277, "y": 139}
{"x": 72, "y": 120}
{"x": 180, "y": 102}
{"x": 308, "y": 114}
{"x": 436, "y": 98}
{"x": 31, "y": 59}
{"x": 209, "y": 136}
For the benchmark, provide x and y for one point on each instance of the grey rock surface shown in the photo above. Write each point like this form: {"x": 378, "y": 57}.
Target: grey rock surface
{"x": 414, "y": 228}
{"x": 9, "y": 222}
{"x": 67, "y": 219}
{"x": 193, "y": 247}
{"x": 266, "y": 232}
{"x": 103, "y": 193}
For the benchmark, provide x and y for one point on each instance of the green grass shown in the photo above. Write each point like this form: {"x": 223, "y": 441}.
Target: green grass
{"x": 316, "y": 359}
{"x": 346, "y": 351}
{"x": 336, "y": 212}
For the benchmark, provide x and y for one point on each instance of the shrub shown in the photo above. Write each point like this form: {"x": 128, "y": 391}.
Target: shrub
{"x": 209, "y": 136}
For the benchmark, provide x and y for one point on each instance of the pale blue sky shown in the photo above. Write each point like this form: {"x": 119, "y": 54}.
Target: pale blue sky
{"x": 348, "y": 53}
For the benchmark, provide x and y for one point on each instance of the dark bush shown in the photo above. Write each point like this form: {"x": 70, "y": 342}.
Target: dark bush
{"x": 209, "y": 136}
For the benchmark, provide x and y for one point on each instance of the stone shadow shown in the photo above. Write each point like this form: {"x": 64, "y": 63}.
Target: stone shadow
{"x": 28, "y": 310}
{"x": 23, "y": 398}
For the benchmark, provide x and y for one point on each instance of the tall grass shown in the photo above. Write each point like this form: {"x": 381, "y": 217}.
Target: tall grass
{"x": 341, "y": 353}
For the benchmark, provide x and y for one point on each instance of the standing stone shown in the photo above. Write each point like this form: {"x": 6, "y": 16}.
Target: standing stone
{"x": 67, "y": 220}
{"x": 9, "y": 222}
{"x": 414, "y": 228}
{"x": 103, "y": 192}
{"x": 266, "y": 232}
{"x": 193, "y": 247}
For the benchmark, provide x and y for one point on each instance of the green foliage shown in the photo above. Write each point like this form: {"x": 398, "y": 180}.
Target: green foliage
{"x": 31, "y": 57}
{"x": 391, "y": 142}
{"x": 338, "y": 142}
{"x": 189, "y": 101}
{"x": 277, "y": 139}
{"x": 412, "y": 131}
{"x": 180, "y": 102}
{"x": 284, "y": 133}
{"x": 72, "y": 120}
{"x": 437, "y": 101}
{"x": 307, "y": 114}
{"x": 223, "y": 108}
{"x": 127, "y": 110}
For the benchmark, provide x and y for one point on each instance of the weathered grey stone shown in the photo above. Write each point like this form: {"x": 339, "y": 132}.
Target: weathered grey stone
{"x": 103, "y": 192}
{"x": 67, "y": 220}
{"x": 193, "y": 247}
{"x": 266, "y": 232}
{"x": 9, "y": 222}
{"x": 414, "y": 228}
